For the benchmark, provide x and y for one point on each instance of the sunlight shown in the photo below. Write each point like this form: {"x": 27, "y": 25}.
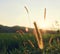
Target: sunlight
{"x": 43, "y": 25}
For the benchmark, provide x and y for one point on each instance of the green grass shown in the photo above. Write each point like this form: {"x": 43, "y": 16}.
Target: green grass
{"x": 14, "y": 43}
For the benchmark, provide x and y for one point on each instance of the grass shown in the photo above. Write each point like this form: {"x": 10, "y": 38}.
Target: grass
{"x": 14, "y": 43}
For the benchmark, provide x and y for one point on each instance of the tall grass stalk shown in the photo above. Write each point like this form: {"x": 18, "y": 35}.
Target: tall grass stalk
{"x": 31, "y": 43}
{"x": 38, "y": 37}
{"x": 27, "y": 10}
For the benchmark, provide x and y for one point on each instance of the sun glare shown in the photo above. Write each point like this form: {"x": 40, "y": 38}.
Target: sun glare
{"x": 43, "y": 25}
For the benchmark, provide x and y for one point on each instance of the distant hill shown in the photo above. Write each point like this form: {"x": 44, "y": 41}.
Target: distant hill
{"x": 7, "y": 29}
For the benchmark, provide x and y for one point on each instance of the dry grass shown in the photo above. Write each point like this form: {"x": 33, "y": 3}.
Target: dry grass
{"x": 44, "y": 13}
{"x": 50, "y": 41}
{"x": 26, "y": 9}
{"x": 38, "y": 36}
{"x": 31, "y": 43}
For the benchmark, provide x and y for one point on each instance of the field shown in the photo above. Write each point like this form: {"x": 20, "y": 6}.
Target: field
{"x": 15, "y": 43}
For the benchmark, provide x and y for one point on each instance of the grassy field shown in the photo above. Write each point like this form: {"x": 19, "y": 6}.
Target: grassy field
{"x": 15, "y": 43}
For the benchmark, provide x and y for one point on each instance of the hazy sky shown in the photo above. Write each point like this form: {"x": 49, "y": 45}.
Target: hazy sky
{"x": 12, "y": 12}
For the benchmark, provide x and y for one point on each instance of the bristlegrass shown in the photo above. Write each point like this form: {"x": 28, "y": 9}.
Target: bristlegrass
{"x": 38, "y": 36}
{"x": 31, "y": 43}
{"x": 26, "y": 9}
{"x": 58, "y": 41}
{"x": 50, "y": 41}
{"x": 44, "y": 13}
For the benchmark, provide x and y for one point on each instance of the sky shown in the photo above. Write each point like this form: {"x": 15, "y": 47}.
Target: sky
{"x": 12, "y": 12}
